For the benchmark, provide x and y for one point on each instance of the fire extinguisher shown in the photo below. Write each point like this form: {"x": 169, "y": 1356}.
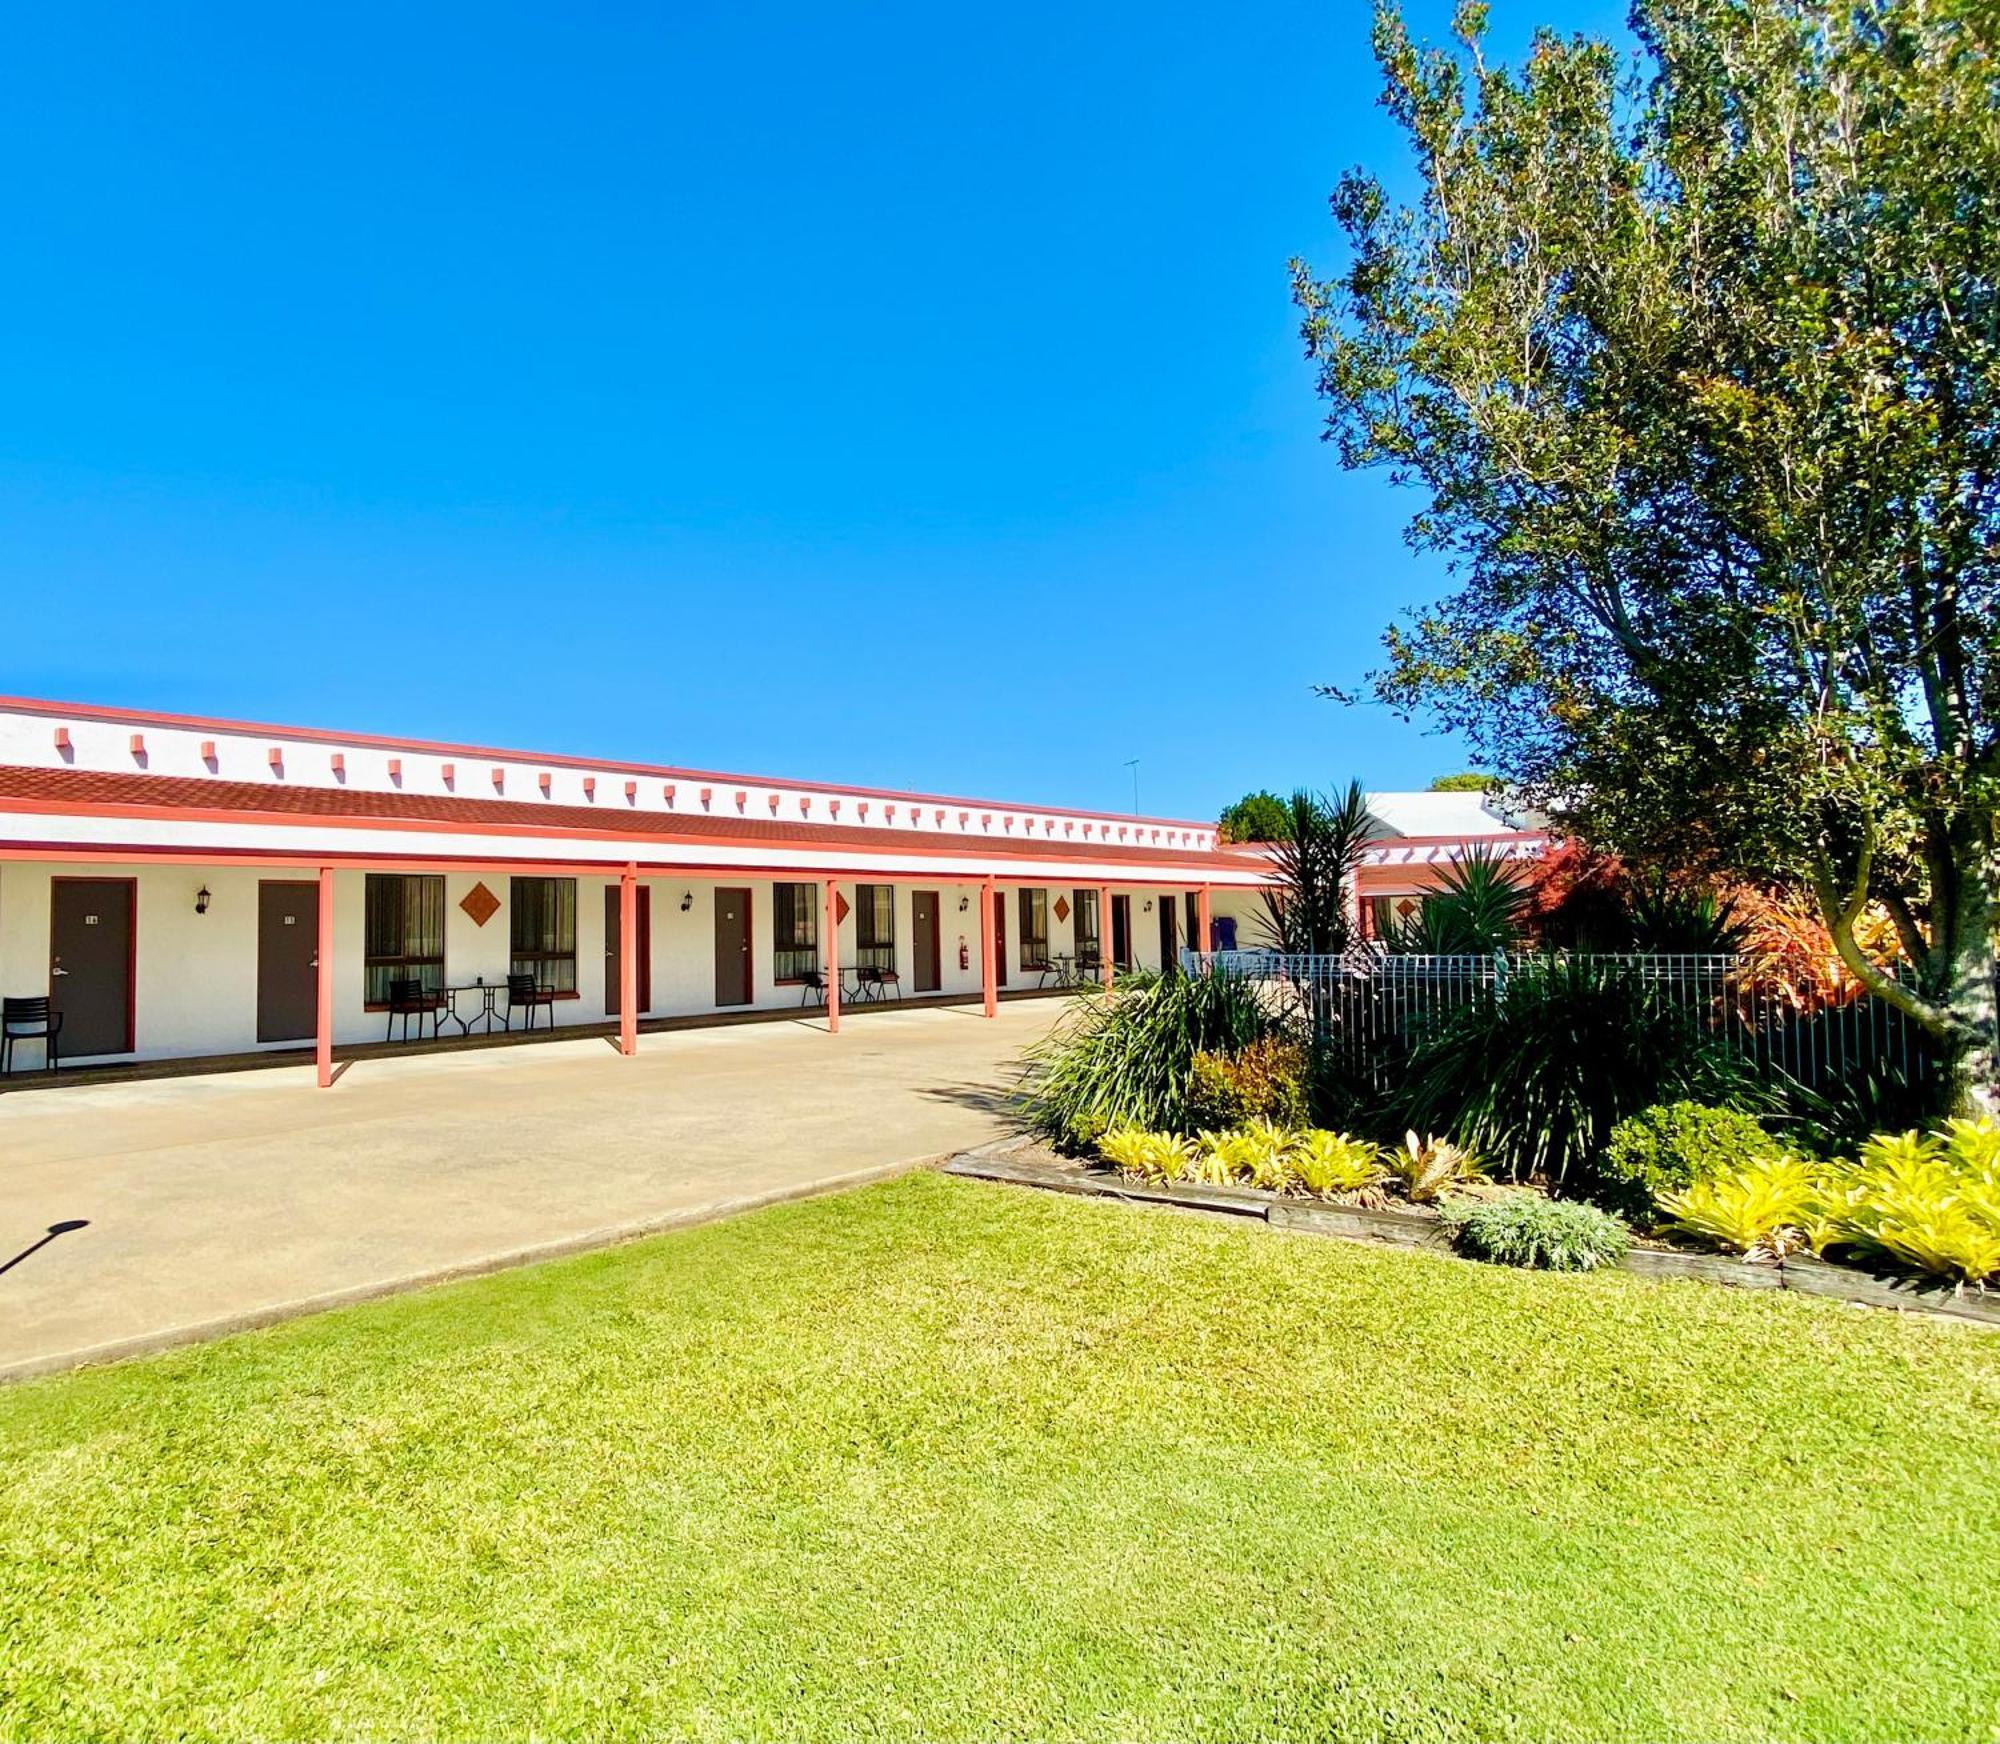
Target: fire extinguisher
{"x": 964, "y": 956}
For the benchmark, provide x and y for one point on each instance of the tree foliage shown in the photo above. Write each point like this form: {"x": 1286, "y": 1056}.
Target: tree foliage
{"x": 1468, "y": 781}
{"x": 1696, "y": 363}
{"x": 1256, "y": 817}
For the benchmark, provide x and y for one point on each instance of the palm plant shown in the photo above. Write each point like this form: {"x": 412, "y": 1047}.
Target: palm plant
{"x": 1307, "y": 912}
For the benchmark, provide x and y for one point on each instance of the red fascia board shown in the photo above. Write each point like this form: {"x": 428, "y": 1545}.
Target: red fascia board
{"x": 617, "y": 845}
{"x": 102, "y": 793}
{"x": 279, "y": 860}
{"x": 441, "y": 748}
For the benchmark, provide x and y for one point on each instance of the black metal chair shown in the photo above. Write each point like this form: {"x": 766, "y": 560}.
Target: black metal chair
{"x": 408, "y": 999}
{"x": 525, "y": 992}
{"x": 888, "y": 982}
{"x": 812, "y": 987}
{"x": 28, "y": 1020}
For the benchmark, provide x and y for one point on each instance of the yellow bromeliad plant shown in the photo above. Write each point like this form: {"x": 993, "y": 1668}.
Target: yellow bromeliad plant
{"x": 1927, "y": 1201}
{"x": 1762, "y": 1211}
{"x": 1255, "y": 1154}
{"x": 1973, "y": 1146}
{"x": 1332, "y": 1165}
{"x": 1155, "y": 1157}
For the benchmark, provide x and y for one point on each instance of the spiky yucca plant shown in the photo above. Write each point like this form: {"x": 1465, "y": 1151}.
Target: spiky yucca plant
{"x": 1479, "y": 906}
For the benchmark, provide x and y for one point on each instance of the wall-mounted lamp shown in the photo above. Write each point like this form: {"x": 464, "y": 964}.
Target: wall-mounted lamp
{"x": 964, "y": 902}
{"x": 201, "y": 900}
{"x": 1148, "y": 909}
{"x": 687, "y": 900}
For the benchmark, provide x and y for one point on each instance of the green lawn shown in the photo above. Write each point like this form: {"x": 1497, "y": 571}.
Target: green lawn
{"x": 948, "y": 1460}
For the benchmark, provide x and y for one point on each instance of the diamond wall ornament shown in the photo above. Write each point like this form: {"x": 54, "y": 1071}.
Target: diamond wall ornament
{"x": 1062, "y": 908}
{"x": 840, "y": 909}
{"x": 480, "y": 903}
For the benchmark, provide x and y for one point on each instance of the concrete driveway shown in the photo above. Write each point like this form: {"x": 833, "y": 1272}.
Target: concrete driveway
{"x": 214, "y": 1203}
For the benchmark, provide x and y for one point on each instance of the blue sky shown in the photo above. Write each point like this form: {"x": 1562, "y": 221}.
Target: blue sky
{"x": 899, "y": 393}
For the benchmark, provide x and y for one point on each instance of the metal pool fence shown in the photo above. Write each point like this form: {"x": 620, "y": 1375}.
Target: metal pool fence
{"x": 1371, "y": 1007}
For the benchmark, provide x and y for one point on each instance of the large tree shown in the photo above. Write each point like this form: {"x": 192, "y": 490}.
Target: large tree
{"x": 1696, "y": 358}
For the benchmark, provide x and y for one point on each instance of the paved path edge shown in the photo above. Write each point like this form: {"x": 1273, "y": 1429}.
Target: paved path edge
{"x": 119, "y": 1350}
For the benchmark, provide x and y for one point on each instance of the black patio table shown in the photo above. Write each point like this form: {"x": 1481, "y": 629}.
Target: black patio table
{"x": 487, "y": 1013}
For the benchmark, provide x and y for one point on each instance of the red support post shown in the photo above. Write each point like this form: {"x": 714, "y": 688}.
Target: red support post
{"x": 323, "y": 964}
{"x": 628, "y": 962}
{"x": 1105, "y": 964}
{"x": 988, "y": 981}
{"x": 832, "y": 958}
{"x": 1202, "y": 932}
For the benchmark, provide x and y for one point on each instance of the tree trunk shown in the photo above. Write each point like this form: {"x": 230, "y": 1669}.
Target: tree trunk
{"x": 1972, "y": 1061}
{"x": 1963, "y": 960}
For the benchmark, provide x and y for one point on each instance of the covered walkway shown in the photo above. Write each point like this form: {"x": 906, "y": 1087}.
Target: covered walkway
{"x": 207, "y": 1203}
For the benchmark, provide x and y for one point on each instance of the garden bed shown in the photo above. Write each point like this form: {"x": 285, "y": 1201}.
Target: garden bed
{"x": 1034, "y": 1165}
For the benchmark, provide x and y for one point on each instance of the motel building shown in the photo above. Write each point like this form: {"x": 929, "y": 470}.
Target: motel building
{"x": 176, "y": 887}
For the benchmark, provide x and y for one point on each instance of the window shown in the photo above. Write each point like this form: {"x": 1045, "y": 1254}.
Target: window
{"x": 794, "y": 930}
{"x": 1087, "y": 933}
{"x": 405, "y": 933}
{"x": 542, "y": 913}
{"x": 875, "y": 926}
{"x": 1034, "y": 929}
{"x": 1382, "y": 917}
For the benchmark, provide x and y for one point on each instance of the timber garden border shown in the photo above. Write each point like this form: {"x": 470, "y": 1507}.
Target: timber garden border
{"x": 1025, "y": 1164}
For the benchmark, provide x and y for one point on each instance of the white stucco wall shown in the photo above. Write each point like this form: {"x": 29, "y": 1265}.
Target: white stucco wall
{"x": 196, "y": 974}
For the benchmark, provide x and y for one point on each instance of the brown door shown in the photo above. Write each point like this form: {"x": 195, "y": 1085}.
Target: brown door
{"x": 924, "y": 929}
{"x": 1121, "y": 931}
{"x": 999, "y": 939}
{"x": 732, "y": 947}
{"x": 287, "y": 960}
{"x": 1192, "y": 904}
{"x": 614, "y": 966}
{"x": 90, "y": 963}
{"x": 1170, "y": 948}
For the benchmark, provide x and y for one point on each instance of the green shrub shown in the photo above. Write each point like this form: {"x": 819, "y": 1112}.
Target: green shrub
{"x": 1127, "y": 1058}
{"x": 1672, "y": 1145}
{"x": 1535, "y": 1073}
{"x": 1264, "y": 1081}
{"x": 1524, "y": 1229}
